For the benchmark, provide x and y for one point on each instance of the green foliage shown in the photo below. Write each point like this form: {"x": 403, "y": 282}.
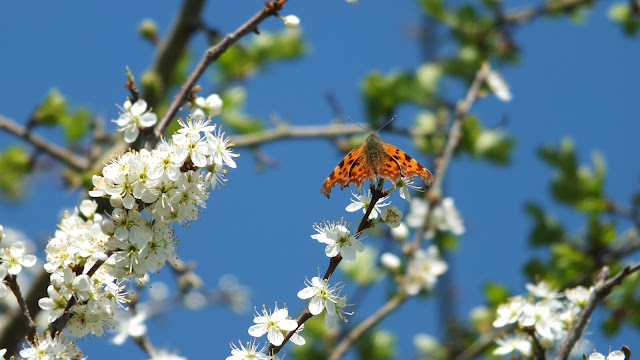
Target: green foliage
{"x": 53, "y": 112}
{"x": 240, "y": 62}
{"x": 233, "y": 115}
{"x": 578, "y": 186}
{"x": 628, "y": 18}
{"x": 493, "y": 145}
{"x": 378, "y": 344}
{"x": 383, "y": 93}
{"x": 433, "y": 126}
{"x": 181, "y": 71}
{"x": 318, "y": 340}
{"x": 14, "y": 166}
{"x": 546, "y": 229}
{"x": 568, "y": 266}
{"x": 495, "y": 293}
{"x": 51, "y": 109}
{"x": 622, "y": 303}
{"x": 446, "y": 241}
{"x": 364, "y": 270}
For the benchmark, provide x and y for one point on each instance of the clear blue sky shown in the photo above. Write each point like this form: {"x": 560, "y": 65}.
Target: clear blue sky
{"x": 577, "y": 80}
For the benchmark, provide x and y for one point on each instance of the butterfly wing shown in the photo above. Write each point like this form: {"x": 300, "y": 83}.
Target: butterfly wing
{"x": 397, "y": 163}
{"x": 349, "y": 169}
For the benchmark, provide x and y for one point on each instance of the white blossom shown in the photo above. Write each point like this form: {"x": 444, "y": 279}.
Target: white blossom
{"x": 423, "y": 270}
{"x": 338, "y": 239}
{"x": 274, "y": 324}
{"x": 133, "y": 118}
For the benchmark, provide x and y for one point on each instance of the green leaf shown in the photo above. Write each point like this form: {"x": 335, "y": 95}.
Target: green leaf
{"x": 600, "y": 233}
{"x": 76, "y": 125}
{"x": 14, "y": 167}
{"x": 495, "y": 293}
{"x": 247, "y": 58}
{"x": 624, "y": 15}
{"x": 51, "y": 110}
{"x": 578, "y": 186}
{"x": 376, "y": 345}
{"x": 546, "y": 229}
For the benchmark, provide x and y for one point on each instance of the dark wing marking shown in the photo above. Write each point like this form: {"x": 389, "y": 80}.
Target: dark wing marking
{"x": 340, "y": 175}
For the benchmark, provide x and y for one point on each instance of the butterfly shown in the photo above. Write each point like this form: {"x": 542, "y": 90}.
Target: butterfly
{"x": 372, "y": 159}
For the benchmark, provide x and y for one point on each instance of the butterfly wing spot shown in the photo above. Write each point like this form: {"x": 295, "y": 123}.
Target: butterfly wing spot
{"x": 340, "y": 174}
{"x": 407, "y": 166}
{"x": 390, "y": 169}
{"x": 359, "y": 173}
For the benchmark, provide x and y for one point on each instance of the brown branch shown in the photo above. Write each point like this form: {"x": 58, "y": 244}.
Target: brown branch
{"x": 145, "y": 344}
{"x": 376, "y": 194}
{"x": 602, "y": 288}
{"x": 367, "y": 324}
{"x": 461, "y": 111}
{"x": 549, "y": 7}
{"x": 480, "y": 344}
{"x": 285, "y": 131}
{"x": 211, "y": 55}
{"x": 58, "y": 152}
{"x": 171, "y": 48}
{"x": 11, "y": 280}
{"x": 14, "y": 329}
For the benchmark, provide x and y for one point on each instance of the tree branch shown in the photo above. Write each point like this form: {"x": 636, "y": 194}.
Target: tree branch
{"x": 58, "y": 152}
{"x": 602, "y": 288}
{"x": 285, "y": 131}
{"x": 367, "y": 324}
{"x": 549, "y": 7}
{"x": 211, "y": 55}
{"x": 462, "y": 109}
{"x": 11, "y": 280}
{"x": 376, "y": 194}
{"x": 172, "y": 46}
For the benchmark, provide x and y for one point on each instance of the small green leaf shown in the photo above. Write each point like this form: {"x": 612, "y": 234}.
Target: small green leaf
{"x": 546, "y": 229}
{"x": 495, "y": 293}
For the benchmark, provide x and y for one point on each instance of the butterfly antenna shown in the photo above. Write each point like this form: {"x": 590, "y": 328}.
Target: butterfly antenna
{"x": 385, "y": 124}
{"x": 360, "y": 126}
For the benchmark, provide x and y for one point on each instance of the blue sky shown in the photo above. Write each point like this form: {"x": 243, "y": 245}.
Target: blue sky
{"x": 574, "y": 80}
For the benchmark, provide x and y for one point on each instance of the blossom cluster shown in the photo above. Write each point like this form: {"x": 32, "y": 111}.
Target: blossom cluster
{"x": 91, "y": 256}
{"x": 47, "y": 348}
{"x": 544, "y": 310}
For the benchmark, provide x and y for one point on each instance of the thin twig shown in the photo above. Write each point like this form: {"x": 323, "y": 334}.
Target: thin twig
{"x": 367, "y": 324}
{"x": 211, "y": 55}
{"x": 58, "y": 152}
{"x": 284, "y": 131}
{"x": 539, "y": 351}
{"x": 11, "y": 280}
{"x": 462, "y": 109}
{"x": 480, "y": 344}
{"x": 145, "y": 344}
{"x": 549, "y": 7}
{"x": 376, "y": 194}
{"x": 602, "y": 288}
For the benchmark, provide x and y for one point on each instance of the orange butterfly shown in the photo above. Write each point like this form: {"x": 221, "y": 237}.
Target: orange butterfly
{"x": 371, "y": 159}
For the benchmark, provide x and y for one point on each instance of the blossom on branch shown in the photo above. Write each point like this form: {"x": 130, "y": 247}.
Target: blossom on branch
{"x": 275, "y": 324}
{"x": 338, "y": 239}
{"x": 211, "y": 106}
{"x": 133, "y": 118}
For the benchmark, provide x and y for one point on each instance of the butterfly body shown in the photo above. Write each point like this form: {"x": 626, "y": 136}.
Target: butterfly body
{"x": 372, "y": 159}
